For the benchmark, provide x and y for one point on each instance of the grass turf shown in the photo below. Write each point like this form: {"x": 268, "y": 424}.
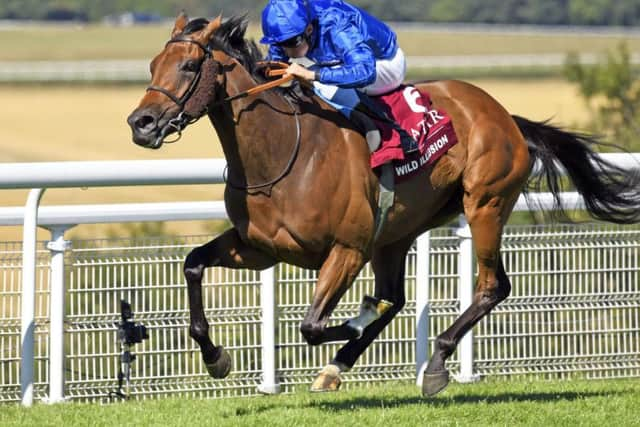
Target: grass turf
{"x": 488, "y": 403}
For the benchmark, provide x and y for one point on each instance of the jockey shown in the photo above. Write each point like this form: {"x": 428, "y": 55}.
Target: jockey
{"x": 343, "y": 50}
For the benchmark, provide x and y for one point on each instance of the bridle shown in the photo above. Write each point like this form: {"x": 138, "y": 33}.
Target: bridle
{"x": 182, "y": 120}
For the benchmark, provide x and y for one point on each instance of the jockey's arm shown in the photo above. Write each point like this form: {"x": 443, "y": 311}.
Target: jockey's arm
{"x": 358, "y": 68}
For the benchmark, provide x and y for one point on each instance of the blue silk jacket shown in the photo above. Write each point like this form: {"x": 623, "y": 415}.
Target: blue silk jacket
{"x": 346, "y": 42}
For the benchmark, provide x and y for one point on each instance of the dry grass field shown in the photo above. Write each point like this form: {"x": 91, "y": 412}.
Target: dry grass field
{"x": 44, "y": 124}
{"x": 104, "y": 42}
{"x": 65, "y": 123}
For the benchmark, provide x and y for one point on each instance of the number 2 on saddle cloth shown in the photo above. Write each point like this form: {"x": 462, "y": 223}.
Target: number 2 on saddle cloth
{"x": 430, "y": 128}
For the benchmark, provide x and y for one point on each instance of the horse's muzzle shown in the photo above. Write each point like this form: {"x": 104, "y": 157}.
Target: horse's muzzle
{"x": 145, "y": 128}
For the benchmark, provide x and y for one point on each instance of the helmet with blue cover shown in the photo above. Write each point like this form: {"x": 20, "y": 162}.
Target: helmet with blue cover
{"x": 283, "y": 20}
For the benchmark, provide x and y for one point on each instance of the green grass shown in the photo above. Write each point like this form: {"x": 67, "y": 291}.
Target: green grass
{"x": 104, "y": 42}
{"x": 488, "y": 403}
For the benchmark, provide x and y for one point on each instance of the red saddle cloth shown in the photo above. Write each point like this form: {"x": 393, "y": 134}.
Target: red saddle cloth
{"x": 431, "y": 128}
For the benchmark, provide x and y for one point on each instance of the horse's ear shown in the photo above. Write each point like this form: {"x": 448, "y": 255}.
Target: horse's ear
{"x": 181, "y": 22}
{"x": 211, "y": 28}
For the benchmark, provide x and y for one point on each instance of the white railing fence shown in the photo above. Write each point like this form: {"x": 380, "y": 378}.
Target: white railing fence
{"x": 39, "y": 176}
{"x": 574, "y": 308}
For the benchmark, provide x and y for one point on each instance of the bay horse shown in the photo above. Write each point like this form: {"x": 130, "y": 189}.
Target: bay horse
{"x": 300, "y": 189}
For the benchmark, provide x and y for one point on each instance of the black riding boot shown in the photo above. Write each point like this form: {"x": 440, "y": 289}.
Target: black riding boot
{"x": 368, "y": 127}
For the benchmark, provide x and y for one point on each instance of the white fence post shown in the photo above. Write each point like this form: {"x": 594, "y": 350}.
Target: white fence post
{"x": 466, "y": 270}
{"x": 28, "y": 322}
{"x": 423, "y": 252}
{"x": 57, "y": 246}
{"x": 269, "y": 326}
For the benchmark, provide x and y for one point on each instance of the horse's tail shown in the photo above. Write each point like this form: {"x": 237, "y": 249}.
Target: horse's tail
{"x": 610, "y": 192}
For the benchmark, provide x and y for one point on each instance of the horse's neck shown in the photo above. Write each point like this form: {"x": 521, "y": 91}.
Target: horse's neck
{"x": 257, "y": 133}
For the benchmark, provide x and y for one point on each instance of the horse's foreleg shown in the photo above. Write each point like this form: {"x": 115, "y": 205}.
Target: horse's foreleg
{"x": 336, "y": 276}
{"x": 388, "y": 264}
{"x": 227, "y": 250}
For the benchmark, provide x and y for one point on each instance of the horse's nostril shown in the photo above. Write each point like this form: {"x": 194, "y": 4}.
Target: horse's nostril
{"x": 144, "y": 122}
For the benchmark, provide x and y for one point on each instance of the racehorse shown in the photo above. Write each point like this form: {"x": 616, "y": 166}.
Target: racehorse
{"x": 300, "y": 188}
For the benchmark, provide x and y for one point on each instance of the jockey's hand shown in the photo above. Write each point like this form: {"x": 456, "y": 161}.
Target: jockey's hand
{"x": 301, "y": 72}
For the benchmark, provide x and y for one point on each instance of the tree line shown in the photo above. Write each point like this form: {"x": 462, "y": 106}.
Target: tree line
{"x": 538, "y": 12}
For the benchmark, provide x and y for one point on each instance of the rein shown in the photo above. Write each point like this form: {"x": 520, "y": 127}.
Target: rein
{"x": 254, "y": 91}
{"x": 286, "y": 169}
{"x": 264, "y": 86}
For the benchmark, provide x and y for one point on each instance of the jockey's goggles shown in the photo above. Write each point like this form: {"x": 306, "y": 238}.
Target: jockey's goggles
{"x": 293, "y": 42}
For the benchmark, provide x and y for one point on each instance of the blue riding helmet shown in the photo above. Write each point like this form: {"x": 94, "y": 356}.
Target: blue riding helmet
{"x": 283, "y": 20}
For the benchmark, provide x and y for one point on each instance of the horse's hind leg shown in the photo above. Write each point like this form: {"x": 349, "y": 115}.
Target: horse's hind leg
{"x": 494, "y": 177}
{"x": 493, "y": 286}
{"x": 227, "y": 250}
{"x": 388, "y": 264}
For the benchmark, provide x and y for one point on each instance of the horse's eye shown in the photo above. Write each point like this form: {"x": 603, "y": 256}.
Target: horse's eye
{"x": 190, "y": 66}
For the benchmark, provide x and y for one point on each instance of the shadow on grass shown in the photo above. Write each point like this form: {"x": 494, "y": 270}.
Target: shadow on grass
{"x": 349, "y": 404}
{"x": 446, "y": 401}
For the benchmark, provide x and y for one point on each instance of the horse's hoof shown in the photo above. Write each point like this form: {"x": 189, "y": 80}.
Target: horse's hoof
{"x": 221, "y": 367}
{"x": 433, "y": 383}
{"x": 326, "y": 382}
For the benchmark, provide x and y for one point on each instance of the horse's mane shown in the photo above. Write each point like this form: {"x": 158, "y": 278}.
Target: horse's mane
{"x": 230, "y": 38}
